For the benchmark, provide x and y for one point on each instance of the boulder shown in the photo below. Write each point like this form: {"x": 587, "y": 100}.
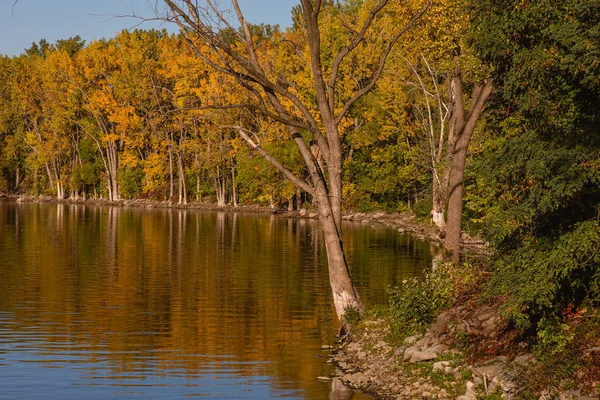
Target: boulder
{"x": 421, "y": 356}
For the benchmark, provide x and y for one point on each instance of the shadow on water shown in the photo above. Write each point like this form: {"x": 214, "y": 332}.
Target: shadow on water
{"x": 114, "y": 302}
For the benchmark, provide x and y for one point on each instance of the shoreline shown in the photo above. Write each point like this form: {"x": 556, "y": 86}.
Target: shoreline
{"x": 403, "y": 222}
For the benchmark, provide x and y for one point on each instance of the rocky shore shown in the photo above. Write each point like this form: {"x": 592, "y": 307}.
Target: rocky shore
{"x": 430, "y": 366}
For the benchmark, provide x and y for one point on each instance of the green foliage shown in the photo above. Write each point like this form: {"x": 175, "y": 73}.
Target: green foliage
{"x": 546, "y": 275}
{"x": 415, "y": 303}
{"x": 561, "y": 357}
{"x": 384, "y": 175}
{"x": 130, "y": 182}
{"x": 352, "y": 316}
{"x": 423, "y": 207}
{"x": 542, "y": 168}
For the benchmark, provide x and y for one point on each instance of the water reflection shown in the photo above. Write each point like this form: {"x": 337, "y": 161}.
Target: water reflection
{"x": 112, "y": 302}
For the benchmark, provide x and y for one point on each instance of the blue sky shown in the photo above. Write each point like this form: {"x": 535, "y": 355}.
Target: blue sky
{"x": 31, "y": 20}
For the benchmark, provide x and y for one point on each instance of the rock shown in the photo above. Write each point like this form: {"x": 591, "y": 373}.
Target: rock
{"x": 324, "y": 378}
{"x": 424, "y": 342}
{"x": 347, "y": 217}
{"x": 352, "y": 347}
{"x": 524, "y": 359}
{"x": 326, "y": 347}
{"x": 409, "y": 352}
{"x": 361, "y": 355}
{"x": 399, "y": 351}
{"x": 401, "y": 230}
{"x": 490, "y": 369}
{"x": 491, "y": 386}
{"x": 575, "y": 394}
{"x": 364, "y": 221}
{"x": 411, "y": 340}
{"x": 438, "y": 348}
{"x": 441, "y": 366}
{"x": 442, "y": 338}
{"x": 470, "y": 393}
{"x": 313, "y": 215}
{"x": 421, "y": 356}
{"x": 593, "y": 350}
{"x": 303, "y": 211}
{"x": 378, "y": 215}
{"x": 453, "y": 352}
{"x": 356, "y": 378}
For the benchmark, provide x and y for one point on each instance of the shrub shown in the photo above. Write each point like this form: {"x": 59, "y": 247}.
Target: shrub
{"x": 415, "y": 303}
{"x": 543, "y": 277}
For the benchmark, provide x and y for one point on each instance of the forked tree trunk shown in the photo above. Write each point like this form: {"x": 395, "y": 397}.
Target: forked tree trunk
{"x": 457, "y": 171}
{"x": 220, "y": 189}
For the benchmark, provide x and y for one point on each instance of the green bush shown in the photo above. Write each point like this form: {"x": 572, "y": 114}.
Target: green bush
{"x": 423, "y": 207}
{"x": 543, "y": 277}
{"x": 415, "y": 303}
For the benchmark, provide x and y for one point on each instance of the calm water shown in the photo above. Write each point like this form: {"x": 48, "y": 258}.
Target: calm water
{"x": 107, "y": 302}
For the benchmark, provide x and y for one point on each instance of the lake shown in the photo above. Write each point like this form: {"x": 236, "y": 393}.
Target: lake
{"x": 104, "y": 302}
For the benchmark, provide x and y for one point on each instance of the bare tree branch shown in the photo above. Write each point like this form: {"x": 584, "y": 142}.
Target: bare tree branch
{"x": 346, "y": 50}
{"x": 382, "y": 61}
{"x": 255, "y": 145}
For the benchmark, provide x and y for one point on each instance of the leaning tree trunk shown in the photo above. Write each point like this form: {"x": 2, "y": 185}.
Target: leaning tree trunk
{"x": 345, "y": 295}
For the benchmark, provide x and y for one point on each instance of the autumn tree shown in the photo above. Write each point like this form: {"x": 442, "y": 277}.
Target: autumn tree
{"x": 310, "y": 117}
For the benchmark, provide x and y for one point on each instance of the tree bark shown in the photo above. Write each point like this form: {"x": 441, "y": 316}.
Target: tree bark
{"x": 457, "y": 171}
{"x": 345, "y": 295}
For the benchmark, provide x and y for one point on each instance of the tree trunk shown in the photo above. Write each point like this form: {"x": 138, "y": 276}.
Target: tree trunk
{"x": 17, "y": 178}
{"x": 457, "y": 172}
{"x": 171, "y": 184}
{"x": 113, "y": 166}
{"x": 345, "y": 295}
{"x": 182, "y": 190}
{"x": 220, "y": 188}
{"x": 234, "y": 199}
{"x": 439, "y": 202}
{"x": 298, "y": 199}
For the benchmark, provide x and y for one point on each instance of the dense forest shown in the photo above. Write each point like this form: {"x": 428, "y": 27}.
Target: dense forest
{"x": 147, "y": 115}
